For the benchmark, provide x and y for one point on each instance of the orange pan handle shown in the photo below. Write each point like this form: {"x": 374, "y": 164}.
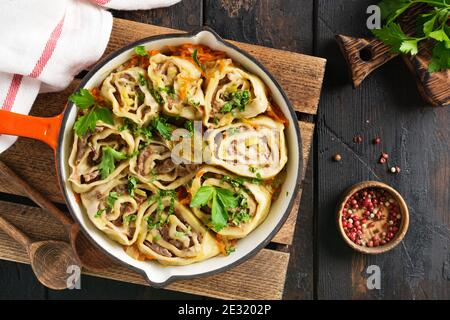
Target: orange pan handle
{"x": 43, "y": 129}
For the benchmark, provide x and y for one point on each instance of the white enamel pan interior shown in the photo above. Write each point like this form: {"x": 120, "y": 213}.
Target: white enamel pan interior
{"x": 159, "y": 275}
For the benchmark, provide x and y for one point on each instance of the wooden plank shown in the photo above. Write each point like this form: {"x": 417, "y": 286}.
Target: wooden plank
{"x": 185, "y": 15}
{"x": 417, "y": 139}
{"x": 287, "y": 67}
{"x": 261, "y": 277}
{"x": 281, "y": 24}
{"x": 286, "y": 233}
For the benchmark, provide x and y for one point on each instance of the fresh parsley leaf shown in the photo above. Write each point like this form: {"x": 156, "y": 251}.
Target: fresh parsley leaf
{"x": 104, "y": 115}
{"x": 85, "y": 123}
{"x": 222, "y": 200}
{"x": 392, "y": 35}
{"x": 219, "y": 215}
{"x": 156, "y": 238}
{"x": 83, "y": 99}
{"x": 88, "y": 122}
{"x": 161, "y": 126}
{"x": 112, "y": 197}
{"x": 439, "y": 35}
{"x": 409, "y": 46}
{"x": 430, "y": 26}
{"x": 107, "y": 165}
{"x": 227, "y": 198}
{"x": 132, "y": 184}
{"x": 441, "y": 58}
{"x": 157, "y": 96}
{"x": 391, "y": 9}
{"x": 140, "y": 51}
{"x": 203, "y": 195}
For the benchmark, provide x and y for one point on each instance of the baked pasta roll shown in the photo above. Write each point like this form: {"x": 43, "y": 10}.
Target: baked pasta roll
{"x": 114, "y": 208}
{"x": 153, "y": 164}
{"x": 172, "y": 235}
{"x": 130, "y": 96}
{"x": 232, "y": 93}
{"x": 99, "y": 157}
{"x": 247, "y": 203}
{"x": 177, "y": 84}
{"x": 251, "y": 148}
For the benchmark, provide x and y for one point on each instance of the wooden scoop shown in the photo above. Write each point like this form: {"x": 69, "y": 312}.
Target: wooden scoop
{"x": 89, "y": 256}
{"x": 365, "y": 55}
{"x": 49, "y": 259}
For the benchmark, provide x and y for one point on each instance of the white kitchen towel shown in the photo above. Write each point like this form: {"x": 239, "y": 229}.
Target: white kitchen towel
{"x": 45, "y": 43}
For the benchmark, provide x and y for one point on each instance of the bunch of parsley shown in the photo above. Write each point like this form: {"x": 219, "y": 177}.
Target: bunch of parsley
{"x": 432, "y": 25}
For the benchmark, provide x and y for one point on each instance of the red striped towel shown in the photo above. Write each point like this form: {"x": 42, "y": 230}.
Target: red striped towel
{"x": 45, "y": 43}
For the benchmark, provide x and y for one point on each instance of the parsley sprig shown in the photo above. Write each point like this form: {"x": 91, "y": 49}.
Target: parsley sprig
{"x": 432, "y": 25}
{"x": 84, "y": 100}
{"x": 109, "y": 158}
{"x": 221, "y": 200}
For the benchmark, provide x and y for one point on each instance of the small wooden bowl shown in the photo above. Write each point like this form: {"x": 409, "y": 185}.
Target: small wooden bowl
{"x": 403, "y": 209}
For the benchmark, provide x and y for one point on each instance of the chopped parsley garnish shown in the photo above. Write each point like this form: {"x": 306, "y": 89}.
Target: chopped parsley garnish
{"x": 112, "y": 198}
{"x": 189, "y": 125}
{"x": 142, "y": 80}
{"x": 99, "y": 213}
{"x": 83, "y": 99}
{"x": 134, "y": 128}
{"x": 157, "y": 96}
{"x": 169, "y": 90}
{"x": 129, "y": 218}
{"x": 179, "y": 234}
{"x": 236, "y": 100}
{"x": 132, "y": 184}
{"x": 230, "y": 250}
{"x": 140, "y": 51}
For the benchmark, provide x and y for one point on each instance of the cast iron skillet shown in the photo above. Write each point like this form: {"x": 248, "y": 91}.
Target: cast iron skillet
{"x": 58, "y": 134}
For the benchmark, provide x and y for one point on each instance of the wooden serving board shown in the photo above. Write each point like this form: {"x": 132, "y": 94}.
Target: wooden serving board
{"x": 261, "y": 277}
{"x": 365, "y": 55}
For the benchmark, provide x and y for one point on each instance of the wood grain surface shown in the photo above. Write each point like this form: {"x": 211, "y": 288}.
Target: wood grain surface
{"x": 386, "y": 105}
{"x": 304, "y": 97}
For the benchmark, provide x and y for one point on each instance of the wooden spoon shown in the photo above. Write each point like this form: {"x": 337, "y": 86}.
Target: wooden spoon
{"x": 49, "y": 259}
{"x": 89, "y": 256}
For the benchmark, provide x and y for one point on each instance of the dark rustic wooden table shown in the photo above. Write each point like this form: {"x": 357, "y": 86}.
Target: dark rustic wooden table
{"x": 386, "y": 105}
